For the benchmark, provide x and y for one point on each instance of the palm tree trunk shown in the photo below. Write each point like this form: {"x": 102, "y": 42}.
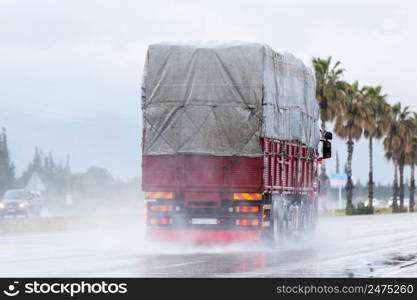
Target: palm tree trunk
{"x": 371, "y": 174}
{"x": 412, "y": 187}
{"x": 349, "y": 185}
{"x": 401, "y": 191}
{"x": 395, "y": 189}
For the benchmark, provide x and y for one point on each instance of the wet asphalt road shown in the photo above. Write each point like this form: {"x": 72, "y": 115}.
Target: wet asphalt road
{"x": 360, "y": 246}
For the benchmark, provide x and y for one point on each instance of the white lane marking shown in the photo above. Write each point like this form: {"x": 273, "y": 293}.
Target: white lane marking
{"x": 178, "y": 265}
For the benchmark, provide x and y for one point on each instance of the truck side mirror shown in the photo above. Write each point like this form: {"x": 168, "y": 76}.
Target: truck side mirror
{"x": 327, "y": 149}
{"x": 328, "y": 136}
{"x": 327, "y": 146}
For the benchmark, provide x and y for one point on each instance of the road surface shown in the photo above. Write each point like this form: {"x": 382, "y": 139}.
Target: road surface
{"x": 360, "y": 246}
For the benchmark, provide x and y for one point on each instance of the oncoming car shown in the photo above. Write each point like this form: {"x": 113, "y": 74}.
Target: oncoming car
{"x": 20, "y": 203}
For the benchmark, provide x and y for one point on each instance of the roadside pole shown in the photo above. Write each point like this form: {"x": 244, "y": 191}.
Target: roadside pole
{"x": 340, "y": 198}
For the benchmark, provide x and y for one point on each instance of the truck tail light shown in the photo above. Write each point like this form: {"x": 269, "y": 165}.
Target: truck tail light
{"x": 162, "y": 208}
{"x": 247, "y": 222}
{"x": 160, "y": 221}
{"x": 164, "y": 221}
{"x": 247, "y": 209}
{"x": 145, "y": 206}
{"x": 153, "y": 221}
{"x": 158, "y": 195}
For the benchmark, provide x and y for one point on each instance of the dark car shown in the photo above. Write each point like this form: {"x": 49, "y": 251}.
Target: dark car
{"x": 20, "y": 203}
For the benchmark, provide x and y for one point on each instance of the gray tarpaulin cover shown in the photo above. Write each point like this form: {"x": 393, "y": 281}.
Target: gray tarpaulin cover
{"x": 220, "y": 98}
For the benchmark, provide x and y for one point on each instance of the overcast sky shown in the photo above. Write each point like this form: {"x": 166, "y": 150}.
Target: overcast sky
{"x": 70, "y": 71}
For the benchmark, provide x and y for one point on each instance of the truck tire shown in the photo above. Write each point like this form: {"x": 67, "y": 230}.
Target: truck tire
{"x": 314, "y": 220}
{"x": 279, "y": 228}
{"x": 306, "y": 218}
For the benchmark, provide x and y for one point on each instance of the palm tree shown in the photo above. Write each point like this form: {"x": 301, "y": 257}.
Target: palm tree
{"x": 397, "y": 143}
{"x": 328, "y": 91}
{"x": 411, "y": 160}
{"x": 412, "y": 186}
{"x": 377, "y": 112}
{"x": 349, "y": 125}
{"x": 407, "y": 133}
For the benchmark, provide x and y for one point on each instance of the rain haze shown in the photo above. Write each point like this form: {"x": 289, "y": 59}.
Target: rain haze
{"x": 71, "y": 71}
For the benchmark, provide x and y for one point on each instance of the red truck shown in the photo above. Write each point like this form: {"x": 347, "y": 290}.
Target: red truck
{"x": 230, "y": 143}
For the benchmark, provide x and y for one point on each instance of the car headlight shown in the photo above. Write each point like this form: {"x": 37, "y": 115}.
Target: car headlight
{"x": 2, "y": 206}
{"x": 22, "y": 205}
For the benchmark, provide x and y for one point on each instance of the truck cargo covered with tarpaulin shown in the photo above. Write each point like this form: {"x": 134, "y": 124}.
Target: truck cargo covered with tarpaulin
{"x": 219, "y": 99}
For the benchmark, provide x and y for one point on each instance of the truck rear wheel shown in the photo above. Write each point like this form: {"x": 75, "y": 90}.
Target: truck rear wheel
{"x": 279, "y": 229}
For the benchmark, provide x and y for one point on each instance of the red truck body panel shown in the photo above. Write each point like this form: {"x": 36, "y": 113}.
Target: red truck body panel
{"x": 204, "y": 187}
{"x": 287, "y": 166}
{"x": 187, "y": 173}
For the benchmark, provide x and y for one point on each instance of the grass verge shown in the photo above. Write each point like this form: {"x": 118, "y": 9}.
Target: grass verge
{"x": 51, "y": 224}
